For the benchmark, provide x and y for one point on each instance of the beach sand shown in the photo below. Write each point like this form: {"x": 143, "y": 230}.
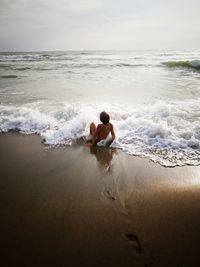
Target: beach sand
{"x": 73, "y": 206}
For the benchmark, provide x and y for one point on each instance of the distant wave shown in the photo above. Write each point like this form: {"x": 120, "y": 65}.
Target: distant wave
{"x": 18, "y": 58}
{"x": 100, "y": 59}
{"x": 127, "y": 65}
{"x": 9, "y": 76}
{"x": 166, "y": 54}
{"x": 22, "y": 68}
{"x": 2, "y": 66}
{"x": 69, "y": 61}
{"x": 104, "y": 65}
{"x": 193, "y": 64}
{"x": 38, "y": 57}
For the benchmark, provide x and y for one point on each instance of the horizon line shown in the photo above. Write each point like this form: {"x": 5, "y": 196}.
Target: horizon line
{"x": 97, "y": 50}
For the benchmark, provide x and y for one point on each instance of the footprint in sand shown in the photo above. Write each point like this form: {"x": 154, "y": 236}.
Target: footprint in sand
{"x": 108, "y": 194}
{"x": 147, "y": 256}
{"x": 106, "y": 168}
{"x": 133, "y": 238}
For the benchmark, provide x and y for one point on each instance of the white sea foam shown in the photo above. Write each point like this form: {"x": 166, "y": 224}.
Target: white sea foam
{"x": 20, "y": 57}
{"x": 167, "y": 133}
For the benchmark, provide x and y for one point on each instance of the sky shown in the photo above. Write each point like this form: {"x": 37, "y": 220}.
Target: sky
{"x": 39, "y": 25}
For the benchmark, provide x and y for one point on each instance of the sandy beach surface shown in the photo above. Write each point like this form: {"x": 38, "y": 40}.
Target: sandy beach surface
{"x": 76, "y": 206}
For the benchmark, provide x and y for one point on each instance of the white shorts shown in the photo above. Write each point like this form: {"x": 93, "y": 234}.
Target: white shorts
{"x": 105, "y": 142}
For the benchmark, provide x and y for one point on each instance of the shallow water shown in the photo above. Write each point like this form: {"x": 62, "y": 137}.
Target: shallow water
{"x": 153, "y": 98}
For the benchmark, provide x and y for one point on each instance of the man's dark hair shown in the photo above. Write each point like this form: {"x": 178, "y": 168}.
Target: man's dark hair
{"x": 104, "y": 117}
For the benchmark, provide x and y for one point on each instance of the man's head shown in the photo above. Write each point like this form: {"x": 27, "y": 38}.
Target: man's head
{"x": 104, "y": 117}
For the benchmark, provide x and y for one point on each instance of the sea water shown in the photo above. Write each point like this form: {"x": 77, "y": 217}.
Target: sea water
{"x": 153, "y": 98}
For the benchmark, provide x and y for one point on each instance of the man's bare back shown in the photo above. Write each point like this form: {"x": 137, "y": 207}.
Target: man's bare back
{"x": 102, "y": 130}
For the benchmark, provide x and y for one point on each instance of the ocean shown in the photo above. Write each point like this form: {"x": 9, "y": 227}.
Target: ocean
{"x": 153, "y": 98}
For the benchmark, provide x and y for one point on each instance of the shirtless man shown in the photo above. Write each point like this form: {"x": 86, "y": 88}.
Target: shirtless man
{"x": 102, "y": 130}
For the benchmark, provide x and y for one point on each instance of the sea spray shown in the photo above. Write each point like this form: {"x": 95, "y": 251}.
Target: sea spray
{"x": 165, "y": 132}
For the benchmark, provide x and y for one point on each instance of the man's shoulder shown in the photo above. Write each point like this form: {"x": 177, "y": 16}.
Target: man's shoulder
{"x": 101, "y": 125}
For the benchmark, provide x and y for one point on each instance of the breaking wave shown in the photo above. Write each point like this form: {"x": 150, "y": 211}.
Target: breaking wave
{"x": 167, "y": 133}
{"x": 193, "y": 64}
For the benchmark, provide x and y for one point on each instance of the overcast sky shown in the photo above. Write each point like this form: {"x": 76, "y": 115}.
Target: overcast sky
{"x": 99, "y": 24}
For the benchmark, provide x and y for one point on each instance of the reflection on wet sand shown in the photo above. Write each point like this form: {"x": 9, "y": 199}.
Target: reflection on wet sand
{"x": 104, "y": 156}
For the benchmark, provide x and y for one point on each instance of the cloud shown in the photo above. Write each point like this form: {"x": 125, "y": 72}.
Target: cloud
{"x": 95, "y": 24}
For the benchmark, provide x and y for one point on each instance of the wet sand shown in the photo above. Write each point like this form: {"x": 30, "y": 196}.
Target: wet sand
{"x": 73, "y": 206}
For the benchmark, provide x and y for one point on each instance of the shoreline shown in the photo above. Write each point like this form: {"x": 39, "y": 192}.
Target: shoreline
{"x": 94, "y": 207}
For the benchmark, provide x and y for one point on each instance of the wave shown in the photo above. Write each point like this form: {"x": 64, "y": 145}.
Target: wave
{"x": 193, "y": 64}
{"x": 167, "y": 133}
{"x": 22, "y": 57}
{"x": 127, "y": 65}
{"x": 37, "y": 57}
{"x": 103, "y": 65}
{"x": 2, "y": 66}
{"x": 22, "y": 68}
{"x": 68, "y": 61}
{"x": 83, "y": 59}
{"x": 9, "y": 76}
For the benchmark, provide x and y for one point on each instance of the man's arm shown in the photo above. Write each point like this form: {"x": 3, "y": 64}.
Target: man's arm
{"x": 94, "y": 137}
